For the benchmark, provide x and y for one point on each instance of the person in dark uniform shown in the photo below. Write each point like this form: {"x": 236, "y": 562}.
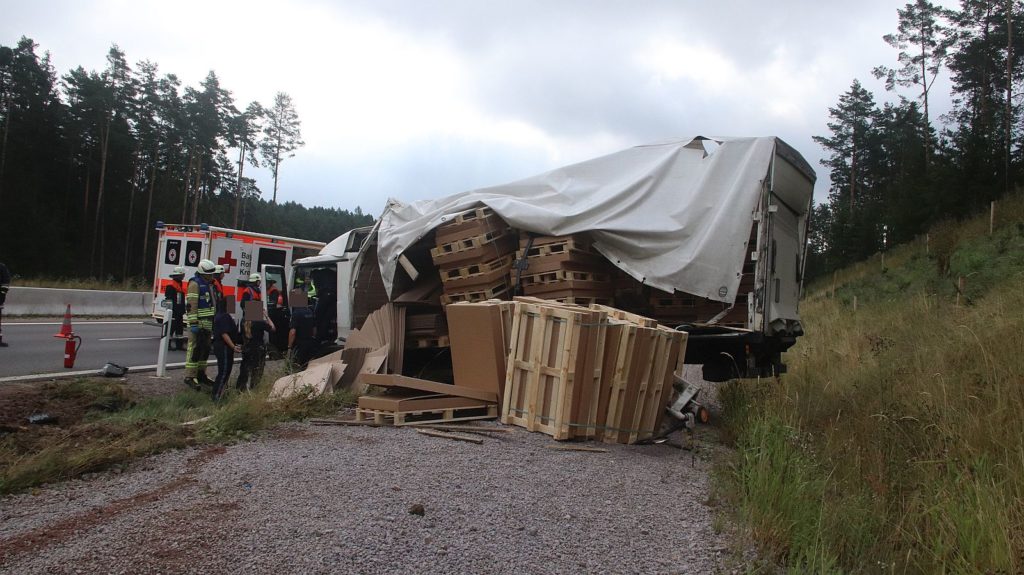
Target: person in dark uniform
{"x": 175, "y": 291}
{"x": 5, "y": 284}
{"x": 254, "y": 346}
{"x": 225, "y": 344}
{"x": 302, "y": 337}
{"x": 279, "y": 316}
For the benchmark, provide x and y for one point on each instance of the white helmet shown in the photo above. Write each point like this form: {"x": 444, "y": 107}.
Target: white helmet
{"x": 218, "y": 269}
{"x": 207, "y": 267}
{"x": 178, "y": 271}
{"x": 254, "y": 278}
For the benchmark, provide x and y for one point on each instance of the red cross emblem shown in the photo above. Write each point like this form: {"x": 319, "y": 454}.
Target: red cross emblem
{"x": 227, "y": 261}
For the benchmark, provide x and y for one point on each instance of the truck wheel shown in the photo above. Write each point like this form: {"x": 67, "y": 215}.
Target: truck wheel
{"x": 703, "y": 415}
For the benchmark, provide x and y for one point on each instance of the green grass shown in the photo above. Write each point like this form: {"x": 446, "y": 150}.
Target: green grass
{"x": 896, "y": 442}
{"x": 115, "y": 429}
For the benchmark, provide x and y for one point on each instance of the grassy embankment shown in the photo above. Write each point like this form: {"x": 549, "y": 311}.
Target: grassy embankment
{"x": 896, "y": 442}
{"x": 102, "y": 426}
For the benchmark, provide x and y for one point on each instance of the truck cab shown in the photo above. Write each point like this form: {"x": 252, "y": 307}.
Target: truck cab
{"x": 331, "y": 274}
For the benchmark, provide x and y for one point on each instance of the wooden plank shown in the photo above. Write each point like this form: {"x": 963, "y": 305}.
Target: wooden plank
{"x": 386, "y": 380}
{"x": 433, "y": 433}
{"x": 404, "y": 418}
{"x": 625, "y": 315}
{"x": 464, "y": 428}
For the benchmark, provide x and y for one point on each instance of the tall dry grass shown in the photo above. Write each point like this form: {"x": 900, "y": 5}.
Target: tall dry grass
{"x": 896, "y": 442}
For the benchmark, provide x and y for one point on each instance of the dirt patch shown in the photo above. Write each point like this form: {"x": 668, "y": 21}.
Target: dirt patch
{"x": 65, "y": 403}
{"x": 56, "y": 533}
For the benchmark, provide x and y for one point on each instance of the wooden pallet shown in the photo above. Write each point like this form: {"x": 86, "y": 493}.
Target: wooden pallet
{"x": 579, "y": 242}
{"x": 564, "y": 275}
{"x": 539, "y": 380}
{"x": 469, "y": 215}
{"x": 465, "y": 252}
{"x": 561, "y": 246}
{"x": 469, "y": 243}
{"x": 585, "y": 300}
{"x": 497, "y": 291}
{"x": 400, "y": 418}
{"x": 475, "y": 270}
{"x": 569, "y": 289}
{"x": 463, "y": 225}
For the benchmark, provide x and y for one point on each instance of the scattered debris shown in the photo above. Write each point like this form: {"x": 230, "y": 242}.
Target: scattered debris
{"x": 197, "y": 421}
{"x": 445, "y": 435}
{"x": 41, "y": 419}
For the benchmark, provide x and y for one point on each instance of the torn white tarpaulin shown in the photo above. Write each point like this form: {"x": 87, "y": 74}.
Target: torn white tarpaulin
{"x": 668, "y": 214}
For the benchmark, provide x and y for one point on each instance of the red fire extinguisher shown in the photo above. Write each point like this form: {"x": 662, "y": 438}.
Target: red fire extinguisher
{"x": 71, "y": 346}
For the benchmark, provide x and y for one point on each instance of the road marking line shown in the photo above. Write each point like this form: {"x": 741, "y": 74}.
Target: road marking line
{"x": 128, "y": 338}
{"x": 80, "y": 321}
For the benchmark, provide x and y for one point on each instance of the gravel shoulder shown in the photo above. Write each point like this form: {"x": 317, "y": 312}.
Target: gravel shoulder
{"x": 315, "y": 499}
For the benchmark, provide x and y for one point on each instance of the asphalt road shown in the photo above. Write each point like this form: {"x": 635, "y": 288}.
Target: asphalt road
{"x": 33, "y": 349}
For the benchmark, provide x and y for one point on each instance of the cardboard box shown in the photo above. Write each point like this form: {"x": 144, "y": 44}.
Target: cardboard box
{"x": 479, "y": 334}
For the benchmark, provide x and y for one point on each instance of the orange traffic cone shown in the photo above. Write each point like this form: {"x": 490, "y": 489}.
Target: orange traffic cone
{"x": 65, "y": 328}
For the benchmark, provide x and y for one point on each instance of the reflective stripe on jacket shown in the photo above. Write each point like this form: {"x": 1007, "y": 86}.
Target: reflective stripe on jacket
{"x": 200, "y": 305}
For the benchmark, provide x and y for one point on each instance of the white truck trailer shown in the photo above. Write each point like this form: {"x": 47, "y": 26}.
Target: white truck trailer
{"x": 724, "y": 220}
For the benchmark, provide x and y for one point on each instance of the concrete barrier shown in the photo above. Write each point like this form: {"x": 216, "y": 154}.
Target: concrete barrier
{"x": 52, "y": 302}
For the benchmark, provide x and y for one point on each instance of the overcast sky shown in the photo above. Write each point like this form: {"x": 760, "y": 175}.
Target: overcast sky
{"x": 417, "y": 99}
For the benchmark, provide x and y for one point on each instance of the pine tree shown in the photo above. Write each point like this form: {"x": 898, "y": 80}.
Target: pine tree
{"x": 923, "y": 39}
{"x": 242, "y": 132}
{"x": 282, "y": 134}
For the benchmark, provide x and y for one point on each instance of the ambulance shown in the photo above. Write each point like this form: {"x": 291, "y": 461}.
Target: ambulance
{"x": 240, "y": 252}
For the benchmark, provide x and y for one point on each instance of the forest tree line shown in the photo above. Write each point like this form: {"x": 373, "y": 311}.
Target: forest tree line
{"x": 895, "y": 169}
{"x": 89, "y": 161}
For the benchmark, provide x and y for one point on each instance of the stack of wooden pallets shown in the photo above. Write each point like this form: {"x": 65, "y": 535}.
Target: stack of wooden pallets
{"x": 474, "y": 254}
{"x": 564, "y": 269}
{"x": 597, "y": 373}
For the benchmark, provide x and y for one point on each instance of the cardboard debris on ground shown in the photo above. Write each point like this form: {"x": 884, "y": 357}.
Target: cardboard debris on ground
{"x": 385, "y": 380}
{"x": 316, "y": 380}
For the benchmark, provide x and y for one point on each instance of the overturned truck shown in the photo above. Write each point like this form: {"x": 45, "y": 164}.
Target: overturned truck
{"x": 706, "y": 235}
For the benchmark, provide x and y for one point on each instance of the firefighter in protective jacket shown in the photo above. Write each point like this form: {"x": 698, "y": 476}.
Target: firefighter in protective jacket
{"x": 175, "y": 291}
{"x": 200, "y": 307}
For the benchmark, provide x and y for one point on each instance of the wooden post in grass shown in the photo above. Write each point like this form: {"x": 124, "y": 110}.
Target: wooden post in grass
{"x": 927, "y": 240}
{"x": 960, "y": 288}
{"x": 992, "y": 218}
{"x": 834, "y": 285}
{"x": 854, "y": 303}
